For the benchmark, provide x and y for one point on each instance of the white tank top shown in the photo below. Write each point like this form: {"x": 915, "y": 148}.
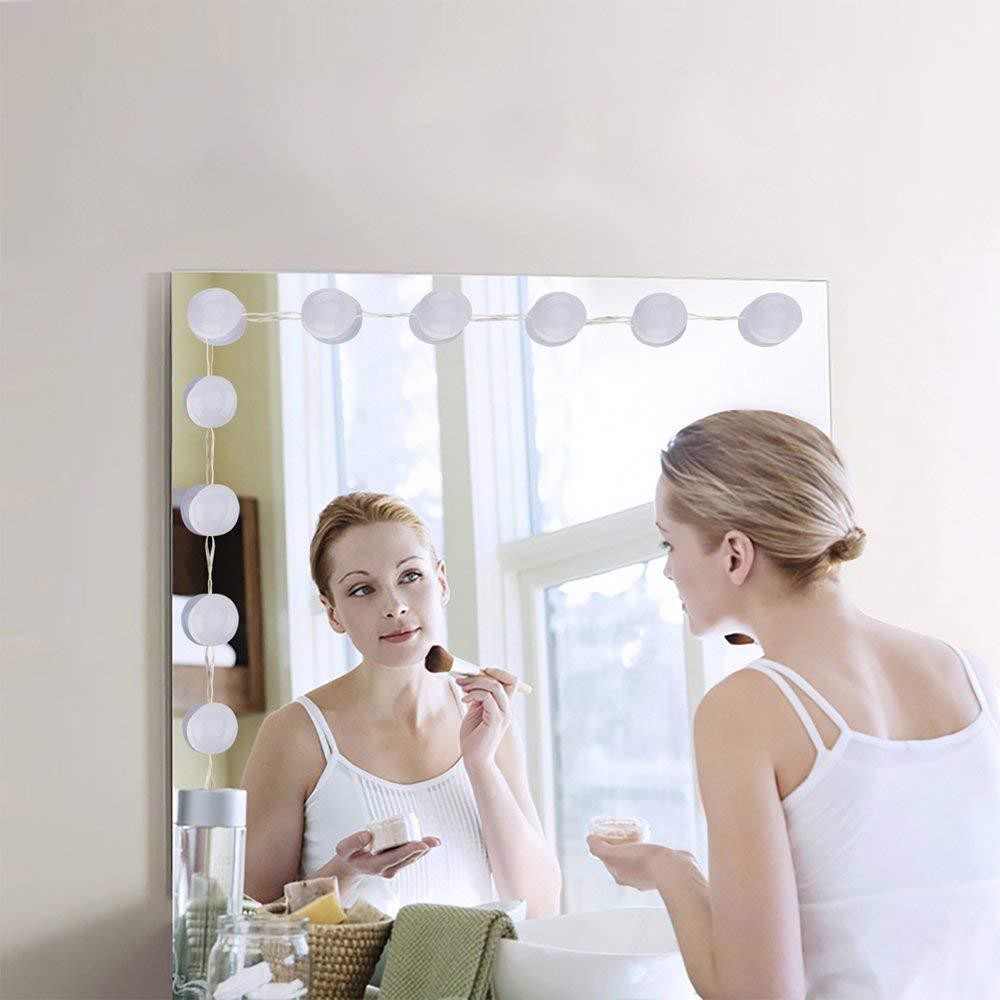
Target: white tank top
{"x": 896, "y": 849}
{"x": 347, "y": 798}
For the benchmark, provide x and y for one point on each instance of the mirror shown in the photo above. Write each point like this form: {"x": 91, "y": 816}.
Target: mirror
{"x": 533, "y": 468}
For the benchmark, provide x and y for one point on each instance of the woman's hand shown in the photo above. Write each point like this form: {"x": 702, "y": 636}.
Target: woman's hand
{"x": 354, "y": 860}
{"x": 645, "y": 866}
{"x": 488, "y": 717}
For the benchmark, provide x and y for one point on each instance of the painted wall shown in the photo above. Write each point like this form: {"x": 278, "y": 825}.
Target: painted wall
{"x": 791, "y": 138}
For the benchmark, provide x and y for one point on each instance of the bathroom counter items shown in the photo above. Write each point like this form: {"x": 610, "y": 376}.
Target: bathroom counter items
{"x": 620, "y": 829}
{"x": 393, "y": 832}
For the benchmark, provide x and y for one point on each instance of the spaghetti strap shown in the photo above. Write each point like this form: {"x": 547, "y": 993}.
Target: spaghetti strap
{"x": 323, "y": 730}
{"x": 805, "y": 686}
{"x": 977, "y": 687}
{"x": 796, "y": 702}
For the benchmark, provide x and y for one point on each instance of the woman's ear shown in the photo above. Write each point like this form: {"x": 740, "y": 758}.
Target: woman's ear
{"x": 739, "y": 554}
{"x": 442, "y": 573}
{"x": 331, "y": 615}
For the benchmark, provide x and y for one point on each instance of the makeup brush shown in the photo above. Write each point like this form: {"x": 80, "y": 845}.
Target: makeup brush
{"x": 440, "y": 661}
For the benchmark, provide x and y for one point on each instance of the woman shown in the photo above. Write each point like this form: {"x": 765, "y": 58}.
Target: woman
{"x": 389, "y": 738}
{"x": 850, "y": 777}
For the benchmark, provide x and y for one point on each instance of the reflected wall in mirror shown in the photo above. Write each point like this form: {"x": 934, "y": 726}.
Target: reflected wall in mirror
{"x": 533, "y": 469}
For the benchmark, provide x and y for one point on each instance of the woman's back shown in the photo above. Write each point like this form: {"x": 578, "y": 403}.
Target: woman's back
{"x": 894, "y": 838}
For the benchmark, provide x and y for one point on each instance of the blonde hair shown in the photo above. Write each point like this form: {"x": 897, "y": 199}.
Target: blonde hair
{"x": 776, "y": 478}
{"x": 350, "y": 509}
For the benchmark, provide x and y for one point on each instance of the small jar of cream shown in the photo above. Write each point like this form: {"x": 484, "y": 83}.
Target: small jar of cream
{"x": 619, "y": 829}
{"x": 392, "y": 832}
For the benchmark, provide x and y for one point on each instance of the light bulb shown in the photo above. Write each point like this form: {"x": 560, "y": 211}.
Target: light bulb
{"x": 217, "y": 317}
{"x": 770, "y": 319}
{"x": 331, "y": 316}
{"x": 210, "y": 727}
{"x": 555, "y": 319}
{"x": 440, "y": 316}
{"x": 210, "y": 401}
{"x": 210, "y": 619}
{"x": 659, "y": 319}
{"x": 210, "y": 510}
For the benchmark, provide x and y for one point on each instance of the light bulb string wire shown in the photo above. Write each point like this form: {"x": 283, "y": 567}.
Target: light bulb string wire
{"x": 209, "y": 558}
{"x": 270, "y": 317}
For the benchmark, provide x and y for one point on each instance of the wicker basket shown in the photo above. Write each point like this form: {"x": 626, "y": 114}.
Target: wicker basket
{"x": 344, "y": 956}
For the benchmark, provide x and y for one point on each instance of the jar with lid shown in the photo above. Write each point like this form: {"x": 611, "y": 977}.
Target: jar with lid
{"x": 260, "y": 957}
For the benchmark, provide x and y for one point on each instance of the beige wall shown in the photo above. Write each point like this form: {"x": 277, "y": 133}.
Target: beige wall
{"x": 848, "y": 141}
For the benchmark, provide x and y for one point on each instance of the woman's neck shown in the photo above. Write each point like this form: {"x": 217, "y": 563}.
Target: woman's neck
{"x": 799, "y": 623}
{"x": 403, "y": 696}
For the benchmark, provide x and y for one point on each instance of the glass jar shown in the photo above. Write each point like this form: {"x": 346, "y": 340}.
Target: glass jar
{"x": 260, "y": 958}
{"x": 209, "y": 848}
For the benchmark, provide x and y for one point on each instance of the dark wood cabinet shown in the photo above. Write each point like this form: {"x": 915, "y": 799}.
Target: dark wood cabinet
{"x": 235, "y": 573}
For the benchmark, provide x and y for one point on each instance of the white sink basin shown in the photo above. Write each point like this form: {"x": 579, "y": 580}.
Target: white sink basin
{"x": 622, "y": 954}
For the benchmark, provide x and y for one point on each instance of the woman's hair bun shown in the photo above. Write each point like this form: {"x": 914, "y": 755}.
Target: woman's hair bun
{"x": 849, "y": 547}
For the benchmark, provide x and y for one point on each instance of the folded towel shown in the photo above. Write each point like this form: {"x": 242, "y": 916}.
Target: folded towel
{"x": 443, "y": 953}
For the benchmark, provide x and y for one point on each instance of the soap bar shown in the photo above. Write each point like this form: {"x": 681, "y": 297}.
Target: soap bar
{"x": 299, "y": 894}
{"x": 325, "y": 910}
{"x": 620, "y": 829}
{"x": 392, "y": 832}
{"x": 278, "y": 991}
{"x": 244, "y": 981}
{"x": 362, "y": 912}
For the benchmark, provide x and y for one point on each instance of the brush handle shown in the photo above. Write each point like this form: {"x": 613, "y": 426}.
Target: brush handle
{"x": 471, "y": 670}
{"x": 520, "y": 687}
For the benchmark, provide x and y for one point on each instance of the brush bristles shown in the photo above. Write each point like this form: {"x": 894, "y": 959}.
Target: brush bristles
{"x": 438, "y": 660}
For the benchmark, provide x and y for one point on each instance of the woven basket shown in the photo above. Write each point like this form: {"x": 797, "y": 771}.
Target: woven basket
{"x": 344, "y": 956}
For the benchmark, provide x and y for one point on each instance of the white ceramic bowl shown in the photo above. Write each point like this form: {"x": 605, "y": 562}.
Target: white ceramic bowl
{"x": 626, "y": 954}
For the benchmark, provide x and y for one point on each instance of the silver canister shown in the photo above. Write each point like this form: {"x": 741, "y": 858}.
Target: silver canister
{"x": 210, "y": 830}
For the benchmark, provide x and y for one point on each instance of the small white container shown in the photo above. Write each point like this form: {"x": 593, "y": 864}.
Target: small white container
{"x": 619, "y": 829}
{"x": 392, "y": 832}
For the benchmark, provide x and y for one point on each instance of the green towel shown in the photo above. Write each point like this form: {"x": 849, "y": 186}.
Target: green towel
{"x": 443, "y": 953}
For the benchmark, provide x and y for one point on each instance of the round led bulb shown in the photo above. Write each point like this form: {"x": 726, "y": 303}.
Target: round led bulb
{"x": 210, "y": 619}
{"x": 331, "y": 316}
{"x": 210, "y": 401}
{"x": 555, "y": 319}
{"x": 210, "y": 510}
{"x": 217, "y": 317}
{"x": 440, "y": 316}
{"x": 770, "y": 319}
{"x": 210, "y": 727}
{"x": 659, "y": 319}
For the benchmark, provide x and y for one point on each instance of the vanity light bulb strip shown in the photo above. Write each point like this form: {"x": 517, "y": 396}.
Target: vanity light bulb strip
{"x": 210, "y": 727}
{"x": 217, "y": 317}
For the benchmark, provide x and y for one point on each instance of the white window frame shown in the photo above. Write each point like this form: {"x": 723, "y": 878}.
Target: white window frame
{"x": 498, "y": 616}
{"x": 514, "y": 567}
{"x": 311, "y": 460}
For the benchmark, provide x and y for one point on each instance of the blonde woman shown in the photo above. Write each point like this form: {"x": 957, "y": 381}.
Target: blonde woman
{"x": 389, "y": 738}
{"x": 850, "y": 777}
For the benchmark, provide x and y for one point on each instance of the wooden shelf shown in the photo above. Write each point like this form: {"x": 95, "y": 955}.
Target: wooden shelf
{"x": 235, "y": 573}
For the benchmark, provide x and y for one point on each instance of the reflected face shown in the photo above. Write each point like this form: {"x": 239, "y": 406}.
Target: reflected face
{"x": 703, "y": 583}
{"x": 388, "y": 595}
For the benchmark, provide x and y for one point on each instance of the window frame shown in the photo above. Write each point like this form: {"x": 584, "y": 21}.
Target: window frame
{"x": 500, "y": 618}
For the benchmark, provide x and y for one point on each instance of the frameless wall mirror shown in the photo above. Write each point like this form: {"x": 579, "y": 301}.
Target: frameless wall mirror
{"x": 533, "y": 462}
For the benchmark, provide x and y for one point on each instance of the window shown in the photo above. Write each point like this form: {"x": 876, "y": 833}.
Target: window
{"x": 539, "y": 466}
{"x": 620, "y": 730}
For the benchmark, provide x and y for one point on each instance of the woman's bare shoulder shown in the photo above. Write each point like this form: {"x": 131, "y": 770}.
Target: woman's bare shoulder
{"x": 287, "y": 735}
{"x": 334, "y": 694}
{"x": 739, "y": 704}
